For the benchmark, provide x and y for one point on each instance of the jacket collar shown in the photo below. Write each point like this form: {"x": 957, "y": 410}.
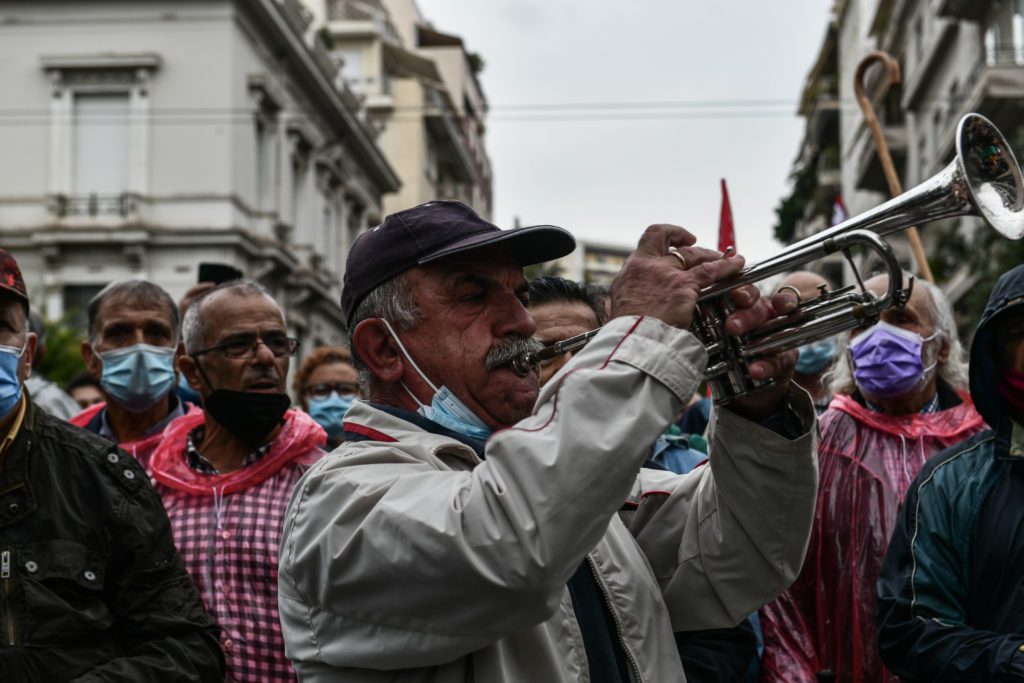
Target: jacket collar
{"x": 389, "y": 425}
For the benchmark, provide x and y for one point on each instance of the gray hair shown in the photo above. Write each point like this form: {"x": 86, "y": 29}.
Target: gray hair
{"x": 139, "y": 293}
{"x": 392, "y": 300}
{"x": 954, "y": 371}
{"x": 193, "y": 331}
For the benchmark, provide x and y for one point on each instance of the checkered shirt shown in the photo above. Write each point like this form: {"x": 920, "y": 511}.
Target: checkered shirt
{"x": 200, "y": 464}
{"x": 230, "y": 547}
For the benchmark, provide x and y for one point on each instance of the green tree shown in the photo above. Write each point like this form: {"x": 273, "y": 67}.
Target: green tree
{"x": 63, "y": 357}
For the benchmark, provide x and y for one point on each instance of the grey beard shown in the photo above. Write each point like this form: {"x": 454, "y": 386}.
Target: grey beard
{"x": 510, "y": 347}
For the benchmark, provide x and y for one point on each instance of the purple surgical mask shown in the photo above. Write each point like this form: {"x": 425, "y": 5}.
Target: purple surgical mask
{"x": 887, "y": 360}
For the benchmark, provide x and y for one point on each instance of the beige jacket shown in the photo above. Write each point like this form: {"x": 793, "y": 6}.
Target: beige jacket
{"x": 408, "y": 558}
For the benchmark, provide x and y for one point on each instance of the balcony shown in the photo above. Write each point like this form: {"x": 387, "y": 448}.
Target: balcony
{"x": 870, "y": 175}
{"x": 935, "y": 52}
{"x": 93, "y": 205}
{"x": 967, "y": 10}
{"x": 822, "y": 111}
{"x": 361, "y": 18}
{"x": 995, "y": 88}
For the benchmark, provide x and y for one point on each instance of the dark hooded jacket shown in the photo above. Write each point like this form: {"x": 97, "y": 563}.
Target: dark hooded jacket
{"x": 951, "y": 594}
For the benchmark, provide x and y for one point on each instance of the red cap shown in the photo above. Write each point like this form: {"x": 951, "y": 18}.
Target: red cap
{"x": 10, "y": 276}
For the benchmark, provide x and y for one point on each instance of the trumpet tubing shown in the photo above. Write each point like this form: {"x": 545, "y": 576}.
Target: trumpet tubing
{"x": 983, "y": 180}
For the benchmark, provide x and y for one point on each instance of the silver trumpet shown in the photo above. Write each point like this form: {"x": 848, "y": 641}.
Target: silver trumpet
{"x": 983, "y": 180}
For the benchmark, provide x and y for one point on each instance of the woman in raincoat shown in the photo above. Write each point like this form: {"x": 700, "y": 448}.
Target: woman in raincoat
{"x": 901, "y": 396}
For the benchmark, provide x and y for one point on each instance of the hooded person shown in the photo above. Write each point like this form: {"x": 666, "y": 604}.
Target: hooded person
{"x": 951, "y": 596}
{"x": 225, "y": 472}
{"x": 900, "y": 397}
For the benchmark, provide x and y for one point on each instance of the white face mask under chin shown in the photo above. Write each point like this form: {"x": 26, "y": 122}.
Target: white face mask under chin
{"x": 446, "y": 409}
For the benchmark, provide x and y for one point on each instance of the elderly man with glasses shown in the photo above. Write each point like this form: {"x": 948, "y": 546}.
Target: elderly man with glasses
{"x": 225, "y": 473}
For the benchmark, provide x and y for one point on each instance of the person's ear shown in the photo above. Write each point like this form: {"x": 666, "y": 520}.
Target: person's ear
{"x": 378, "y": 350}
{"x": 92, "y": 361}
{"x": 944, "y": 348}
{"x": 188, "y": 367}
{"x": 179, "y": 352}
{"x": 30, "y": 350}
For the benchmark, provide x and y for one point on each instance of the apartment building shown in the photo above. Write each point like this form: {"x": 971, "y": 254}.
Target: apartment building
{"x": 420, "y": 90}
{"x": 143, "y": 137}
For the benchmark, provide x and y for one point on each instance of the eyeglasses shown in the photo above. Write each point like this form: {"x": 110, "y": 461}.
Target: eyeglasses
{"x": 324, "y": 390}
{"x": 245, "y": 347}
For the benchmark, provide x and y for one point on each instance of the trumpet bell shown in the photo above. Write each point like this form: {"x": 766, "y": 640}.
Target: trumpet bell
{"x": 992, "y": 175}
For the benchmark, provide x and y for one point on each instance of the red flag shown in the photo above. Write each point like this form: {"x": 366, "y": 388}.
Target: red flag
{"x": 726, "y": 236}
{"x": 839, "y": 213}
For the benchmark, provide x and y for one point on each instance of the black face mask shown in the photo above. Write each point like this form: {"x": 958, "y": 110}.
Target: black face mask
{"x": 249, "y": 416}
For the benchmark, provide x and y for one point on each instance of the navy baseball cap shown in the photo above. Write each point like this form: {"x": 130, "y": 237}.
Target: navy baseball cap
{"x": 432, "y": 231}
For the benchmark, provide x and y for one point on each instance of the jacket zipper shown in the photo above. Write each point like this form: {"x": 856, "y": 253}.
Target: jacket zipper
{"x": 5, "y": 578}
{"x": 618, "y": 624}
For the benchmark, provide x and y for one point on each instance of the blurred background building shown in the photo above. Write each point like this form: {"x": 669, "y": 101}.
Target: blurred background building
{"x": 955, "y": 57}
{"x": 419, "y": 88}
{"x": 142, "y": 138}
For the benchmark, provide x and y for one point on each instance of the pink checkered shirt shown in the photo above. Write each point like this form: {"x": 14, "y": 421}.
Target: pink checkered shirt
{"x": 227, "y": 529}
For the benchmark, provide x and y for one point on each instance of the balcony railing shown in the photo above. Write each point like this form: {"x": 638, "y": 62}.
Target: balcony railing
{"x": 93, "y": 205}
{"x": 364, "y": 10}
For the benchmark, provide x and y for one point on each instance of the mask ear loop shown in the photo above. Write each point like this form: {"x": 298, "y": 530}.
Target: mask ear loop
{"x": 401, "y": 346}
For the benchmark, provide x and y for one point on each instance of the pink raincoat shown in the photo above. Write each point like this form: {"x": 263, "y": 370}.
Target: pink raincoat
{"x": 866, "y": 459}
{"x": 228, "y": 527}
{"x": 140, "y": 449}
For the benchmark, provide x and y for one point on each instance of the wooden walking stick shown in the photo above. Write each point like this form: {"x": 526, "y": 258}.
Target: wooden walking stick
{"x": 892, "y": 75}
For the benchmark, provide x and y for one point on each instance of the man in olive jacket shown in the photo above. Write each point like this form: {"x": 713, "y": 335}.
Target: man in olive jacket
{"x": 91, "y": 586}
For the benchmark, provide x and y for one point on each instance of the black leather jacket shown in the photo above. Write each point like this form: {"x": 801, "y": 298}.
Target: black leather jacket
{"x": 91, "y": 585}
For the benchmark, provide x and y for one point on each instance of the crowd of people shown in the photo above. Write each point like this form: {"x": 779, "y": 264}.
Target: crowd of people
{"x": 429, "y": 512}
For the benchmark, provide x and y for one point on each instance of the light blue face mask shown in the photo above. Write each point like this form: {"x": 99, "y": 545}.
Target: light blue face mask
{"x": 329, "y": 412}
{"x": 445, "y": 407}
{"x": 10, "y": 384}
{"x": 815, "y": 356}
{"x": 137, "y": 376}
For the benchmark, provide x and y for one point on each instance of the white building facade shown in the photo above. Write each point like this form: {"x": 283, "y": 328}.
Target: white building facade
{"x": 420, "y": 90}
{"x": 955, "y": 57}
{"x": 143, "y": 138}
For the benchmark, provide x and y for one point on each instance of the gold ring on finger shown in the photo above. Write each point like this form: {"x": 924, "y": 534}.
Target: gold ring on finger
{"x": 675, "y": 252}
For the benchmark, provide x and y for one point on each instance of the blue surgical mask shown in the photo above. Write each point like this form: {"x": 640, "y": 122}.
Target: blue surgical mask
{"x": 815, "y": 357}
{"x": 138, "y": 376}
{"x": 10, "y": 383}
{"x": 446, "y": 409}
{"x": 329, "y": 412}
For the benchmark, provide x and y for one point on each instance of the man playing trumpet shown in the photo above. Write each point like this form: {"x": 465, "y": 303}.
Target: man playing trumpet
{"x": 468, "y": 528}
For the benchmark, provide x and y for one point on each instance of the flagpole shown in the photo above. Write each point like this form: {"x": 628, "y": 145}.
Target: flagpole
{"x": 892, "y": 76}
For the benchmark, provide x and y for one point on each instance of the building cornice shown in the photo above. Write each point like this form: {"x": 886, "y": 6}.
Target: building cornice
{"x": 357, "y": 135}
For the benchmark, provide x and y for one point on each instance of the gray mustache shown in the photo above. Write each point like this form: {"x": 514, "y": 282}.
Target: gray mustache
{"x": 509, "y": 348}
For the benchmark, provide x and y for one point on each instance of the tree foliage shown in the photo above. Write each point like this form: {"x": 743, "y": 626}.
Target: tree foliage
{"x": 790, "y": 210}
{"x": 63, "y": 357}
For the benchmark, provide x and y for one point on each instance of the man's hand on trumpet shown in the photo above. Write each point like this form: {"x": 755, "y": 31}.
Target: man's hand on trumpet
{"x": 663, "y": 279}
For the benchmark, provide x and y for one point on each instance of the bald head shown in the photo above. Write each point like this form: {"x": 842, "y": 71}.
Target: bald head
{"x": 805, "y": 283}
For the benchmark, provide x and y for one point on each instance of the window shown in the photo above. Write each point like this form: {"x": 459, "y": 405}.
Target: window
{"x": 100, "y": 143}
{"x": 264, "y": 170}
{"x": 1018, "y": 32}
{"x": 992, "y": 45}
{"x": 99, "y": 130}
{"x": 352, "y": 69}
{"x": 922, "y": 157}
{"x": 76, "y": 304}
